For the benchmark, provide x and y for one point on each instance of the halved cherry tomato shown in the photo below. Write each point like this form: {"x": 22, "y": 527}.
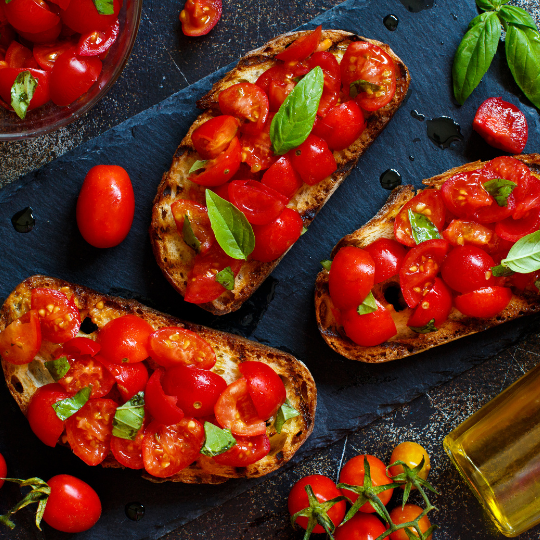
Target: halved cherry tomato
{"x": 125, "y": 339}
{"x": 371, "y": 328}
{"x": 388, "y": 255}
{"x": 246, "y": 101}
{"x": 87, "y": 371}
{"x": 129, "y": 452}
{"x": 198, "y": 219}
{"x": 341, "y": 126}
{"x": 47, "y": 54}
{"x": 41, "y": 94}
{"x": 47, "y": 36}
{"x": 30, "y": 15}
{"x": 467, "y": 268}
{"x": 89, "y": 430}
{"x": 162, "y": 407}
{"x": 246, "y": 451}
{"x": 58, "y": 314}
{"x": 215, "y": 135}
{"x": 282, "y": 177}
{"x": 462, "y": 232}
{"x": 436, "y": 304}
{"x": 235, "y": 410}
{"x": 464, "y": 193}
{"x": 62, "y": 4}
{"x": 279, "y": 81}
{"x": 83, "y": 16}
{"x": 222, "y": 168}
{"x": 529, "y": 200}
{"x": 257, "y": 146}
{"x": 80, "y": 345}
{"x": 313, "y": 160}
{"x": 130, "y": 378}
{"x": 360, "y": 527}
{"x": 99, "y": 41}
{"x": 169, "y": 449}
{"x": 259, "y": 203}
{"x": 17, "y": 55}
{"x": 513, "y": 229}
{"x": 332, "y": 80}
{"x": 302, "y": 47}
{"x": 20, "y": 341}
{"x": 486, "y": 302}
{"x": 199, "y": 16}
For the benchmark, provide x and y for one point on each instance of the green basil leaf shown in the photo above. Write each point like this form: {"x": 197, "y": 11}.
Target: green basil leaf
{"x": 489, "y": 5}
{"x": 500, "y": 189}
{"x": 22, "y": 93}
{"x": 537, "y": 284}
{"x": 226, "y": 278}
{"x": 285, "y": 412}
{"x": 233, "y": 231}
{"x": 326, "y": 264}
{"x": 501, "y": 271}
{"x": 474, "y": 55}
{"x": 524, "y": 256}
{"x": 104, "y": 7}
{"x": 199, "y": 164}
{"x": 478, "y": 19}
{"x": 359, "y": 86}
{"x": 217, "y": 440}
{"x": 129, "y": 417}
{"x": 422, "y": 227}
{"x": 426, "y": 329}
{"x": 522, "y": 47}
{"x": 189, "y": 236}
{"x": 293, "y": 122}
{"x": 517, "y": 16}
{"x": 304, "y": 230}
{"x": 58, "y": 368}
{"x": 69, "y": 406}
{"x": 369, "y": 305}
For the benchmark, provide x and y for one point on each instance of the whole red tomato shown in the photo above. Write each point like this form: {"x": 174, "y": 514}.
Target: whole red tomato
{"x": 406, "y": 514}
{"x": 360, "y": 527}
{"x": 105, "y": 206}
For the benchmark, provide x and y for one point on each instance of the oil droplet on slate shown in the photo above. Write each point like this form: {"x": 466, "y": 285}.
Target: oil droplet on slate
{"x": 23, "y": 221}
{"x": 411, "y": 158}
{"x": 454, "y": 16}
{"x": 391, "y": 22}
{"x": 390, "y": 179}
{"x": 417, "y": 5}
{"x": 443, "y": 131}
{"x": 135, "y": 511}
{"x": 418, "y": 116}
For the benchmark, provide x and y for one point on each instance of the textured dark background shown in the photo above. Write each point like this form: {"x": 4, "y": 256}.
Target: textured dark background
{"x": 163, "y": 62}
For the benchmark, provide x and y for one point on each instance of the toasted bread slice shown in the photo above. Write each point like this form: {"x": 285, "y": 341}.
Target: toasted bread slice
{"x": 231, "y": 350}
{"x": 408, "y": 342}
{"x": 174, "y": 257}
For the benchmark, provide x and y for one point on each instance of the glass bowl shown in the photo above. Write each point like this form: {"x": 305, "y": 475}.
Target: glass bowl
{"x": 50, "y": 117}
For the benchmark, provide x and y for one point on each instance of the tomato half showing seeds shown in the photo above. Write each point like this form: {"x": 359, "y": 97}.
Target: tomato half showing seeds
{"x": 282, "y": 177}
{"x": 83, "y": 16}
{"x": 89, "y": 430}
{"x": 246, "y": 451}
{"x": 411, "y": 453}
{"x": 169, "y": 449}
{"x": 436, "y": 304}
{"x": 302, "y": 47}
{"x": 257, "y": 146}
{"x": 369, "y": 329}
{"x": 486, "y": 302}
{"x": 161, "y": 406}
{"x": 215, "y": 135}
{"x": 199, "y": 16}
{"x": 246, "y": 101}
{"x": 73, "y": 506}
{"x": 313, "y": 160}
{"x": 41, "y": 94}
{"x": 461, "y": 232}
{"x": 220, "y": 169}
{"x": 324, "y": 490}
{"x": 467, "y": 268}
{"x": 129, "y": 453}
{"x": 278, "y": 82}
{"x": 87, "y": 371}
{"x": 388, "y": 255}
{"x": 198, "y": 220}
{"x": 130, "y": 378}
{"x": 406, "y": 514}
{"x": 259, "y": 203}
{"x": 30, "y": 15}
{"x": 464, "y": 193}
{"x": 20, "y": 341}
{"x": 360, "y": 527}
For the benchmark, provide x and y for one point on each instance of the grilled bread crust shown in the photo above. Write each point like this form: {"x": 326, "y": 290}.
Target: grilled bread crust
{"x": 408, "y": 342}
{"x": 231, "y": 350}
{"x": 172, "y": 254}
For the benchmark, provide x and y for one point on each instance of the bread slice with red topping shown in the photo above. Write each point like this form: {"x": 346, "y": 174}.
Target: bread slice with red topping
{"x": 231, "y": 350}
{"x": 172, "y": 254}
{"x": 407, "y": 342}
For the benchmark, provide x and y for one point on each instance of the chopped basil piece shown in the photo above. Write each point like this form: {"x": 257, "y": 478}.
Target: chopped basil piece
{"x": 369, "y": 305}
{"x": 500, "y": 189}
{"x": 326, "y": 264}
{"x": 58, "y": 368}
{"x": 524, "y": 256}
{"x": 189, "y": 236}
{"x": 500, "y": 271}
{"x": 285, "y": 412}
{"x": 69, "y": 406}
{"x": 304, "y": 230}
{"x": 129, "y": 418}
{"x": 359, "y": 86}
{"x": 537, "y": 284}
{"x": 217, "y": 440}
{"x": 426, "y": 329}
{"x": 422, "y": 227}
{"x": 199, "y": 164}
{"x": 226, "y": 278}
{"x": 104, "y": 7}
{"x": 22, "y": 93}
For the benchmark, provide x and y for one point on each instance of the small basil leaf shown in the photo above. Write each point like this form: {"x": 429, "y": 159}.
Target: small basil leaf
{"x": 58, "y": 368}
{"x": 217, "y": 440}
{"x": 522, "y": 46}
{"x": 199, "y": 164}
{"x": 369, "y": 305}
{"x": 478, "y": 19}
{"x": 304, "y": 230}
{"x": 326, "y": 264}
{"x": 226, "y": 278}
{"x": 233, "y": 231}
{"x": 422, "y": 227}
{"x": 189, "y": 236}
{"x": 426, "y": 329}
{"x": 537, "y": 284}
{"x": 489, "y": 5}
{"x": 129, "y": 417}
{"x": 524, "y": 256}
{"x": 104, "y": 7}
{"x": 474, "y": 55}
{"x": 8, "y": 1}
{"x": 69, "y": 406}
{"x": 501, "y": 271}
{"x": 294, "y": 120}
{"x": 500, "y": 189}
{"x": 517, "y": 16}
{"x": 359, "y": 86}
{"x": 285, "y": 412}
{"x": 22, "y": 93}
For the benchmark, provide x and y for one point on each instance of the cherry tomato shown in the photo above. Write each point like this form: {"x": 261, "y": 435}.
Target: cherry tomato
{"x": 235, "y": 410}
{"x": 17, "y": 55}
{"x": 80, "y": 345}
{"x": 388, "y": 255}
{"x": 30, "y": 15}
{"x": 257, "y": 147}
{"x": 467, "y": 268}
{"x": 83, "y": 16}
{"x": 369, "y": 329}
{"x": 464, "y": 193}
{"x": 302, "y": 47}
{"x": 125, "y": 339}
{"x": 324, "y": 490}
{"x": 169, "y": 449}
{"x": 513, "y": 229}
{"x": 279, "y": 81}
{"x": 265, "y": 387}
{"x": 196, "y": 390}
{"x": 87, "y": 371}
{"x": 529, "y": 200}
{"x": 436, "y": 304}
{"x": 42, "y": 417}
{"x": 246, "y": 451}
{"x": 161, "y": 406}
{"x": 367, "y": 62}
{"x": 313, "y": 160}
{"x": 89, "y": 430}
{"x": 215, "y": 135}
{"x": 73, "y": 506}
{"x": 98, "y": 41}
{"x": 41, "y": 93}
{"x": 198, "y": 219}
{"x": 411, "y": 453}
{"x": 502, "y": 125}
{"x": 130, "y": 378}
{"x": 486, "y": 302}
{"x": 282, "y": 177}
{"x": 275, "y": 238}
{"x": 246, "y": 101}
{"x": 259, "y": 203}
{"x": 20, "y": 341}
{"x": 47, "y": 54}
{"x": 462, "y": 232}
{"x": 58, "y": 315}
{"x": 360, "y": 527}
{"x": 341, "y": 126}
{"x": 220, "y": 169}
{"x": 332, "y": 80}
{"x": 129, "y": 452}
{"x": 3, "y": 469}
{"x": 199, "y": 16}
{"x": 47, "y": 36}
{"x": 353, "y": 474}
{"x": 406, "y": 514}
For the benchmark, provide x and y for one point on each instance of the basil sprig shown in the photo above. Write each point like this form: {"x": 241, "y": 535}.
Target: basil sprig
{"x": 69, "y": 406}
{"x": 233, "y": 231}
{"x": 524, "y": 256}
{"x": 285, "y": 412}
{"x": 422, "y": 227}
{"x": 226, "y": 278}
{"x": 369, "y": 305}
{"x": 189, "y": 236}
{"x": 58, "y": 368}
{"x": 217, "y": 440}
{"x": 104, "y": 7}
{"x": 22, "y": 93}
{"x": 500, "y": 189}
{"x": 479, "y": 45}
{"x": 294, "y": 120}
{"x": 129, "y": 417}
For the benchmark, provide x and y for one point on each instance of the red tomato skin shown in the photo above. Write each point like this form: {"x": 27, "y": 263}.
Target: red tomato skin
{"x": 513, "y": 229}
{"x": 81, "y": 345}
{"x": 259, "y": 203}
{"x": 106, "y": 206}
{"x": 464, "y": 232}
{"x": 42, "y": 93}
{"x": 341, "y": 126}
{"x": 324, "y": 490}
{"x": 404, "y": 515}
{"x": 198, "y": 219}
{"x": 194, "y": 20}
{"x": 3, "y": 469}
{"x": 161, "y": 406}
{"x": 436, "y": 304}
{"x": 47, "y": 53}
{"x": 26, "y": 331}
{"x": 129, "y": 453}
{"x": 47, "y": 36}
{"x": 275, "y": 238}
{"x": 360, "y": 527}
{"x": 215, "y": 135}
{"x": 282, "y": 177}
{"x": 485, "y": 303}
{"x": 30, "y": 16}
{"x": 464, "y": 193}
{"x": 73, "y": 506}
{"x": 96, "y": 42}
{"x": 246, "y": 101}
{"x": 246, "y": 451}
{"x": 17, "y": 55}
{"x": 302, "y": 47}
{"x": 130, "y": 378}
{"x": 332, "y": 80}
{"x": 87, "y": 371}
{"x": 352, "y": 276}
{"x": 369, "y": 329}
{"x": 313, "y": 160}
{"x": 257, "y": 146}
{"x": 467, "y": 268}
{"x": 502, "y": 125}
{"x": 528, "y": 201}
{"x": 83, "y": 16}
{"x": 388, "y": 255}
{"x": 265, "y": 387}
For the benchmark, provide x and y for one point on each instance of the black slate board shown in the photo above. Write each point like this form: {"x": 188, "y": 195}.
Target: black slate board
{"x": 281, "y": 313}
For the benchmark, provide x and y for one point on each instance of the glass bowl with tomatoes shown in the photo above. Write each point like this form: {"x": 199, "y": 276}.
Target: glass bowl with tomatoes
{"x": 59, "y": 58}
